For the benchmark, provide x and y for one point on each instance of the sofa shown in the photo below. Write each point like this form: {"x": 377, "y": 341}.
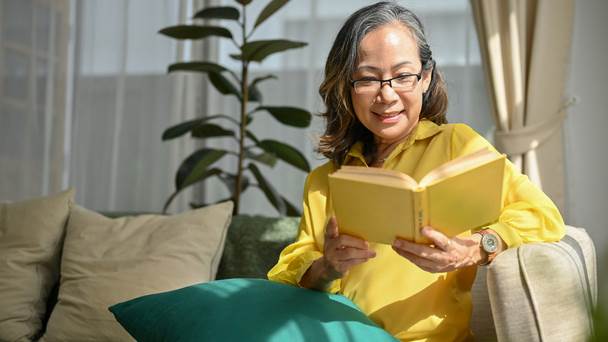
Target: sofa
{"x": 523, "y": 295}
{"x": 514, "y": 298}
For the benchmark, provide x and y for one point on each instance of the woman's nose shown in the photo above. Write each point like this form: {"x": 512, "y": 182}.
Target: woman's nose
{"x": 387, "y": 94}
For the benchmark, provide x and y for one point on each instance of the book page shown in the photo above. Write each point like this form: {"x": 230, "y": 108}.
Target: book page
{"x": 377, "y": 176}
{"x": 459, "y": 165}
{"x": 376, "y": 211}
{"x": 467, "y": 200}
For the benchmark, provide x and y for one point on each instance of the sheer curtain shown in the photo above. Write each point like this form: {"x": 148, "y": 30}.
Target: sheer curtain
{"x": 451, "y": 32}
{"x": 85, "y": 98}
{"x": 33, "y": 63}
{"x": 123, "y": 100}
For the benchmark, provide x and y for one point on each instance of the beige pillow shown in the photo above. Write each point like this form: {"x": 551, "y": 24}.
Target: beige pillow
{"x": 31, "y": 233}
{"x": 106, "y": 261}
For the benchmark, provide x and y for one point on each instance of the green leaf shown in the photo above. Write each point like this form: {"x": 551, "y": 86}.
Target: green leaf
{"x": 194, "y": 167}
{"x": 260, "y": 79}
{"x": 250, "y": 135}
{"x": 271, "y": 194}
{"x": 264, "y": 158}
{"x": 254, "y": 92}
{"x": 292, "y": 210}
{"x": 291, "y": 116}
{"x": 214, "y": 70}
{"x": 257, "y": 50}
{"x": 220, "y": 12}
{"x": 197, "y": 67}
{"x": 195, "y": 31}
{"x": 269, "y": 10}
{"x": 230, "y": 180}
{"x": 180, "y": 129}
{"x": 222, "y": 84}
{"x": 187, "y": 126}
{"x": 207, "y": 174}
{"x": 285, "y": 152}
{"x": 222, "y": 116}
{"x": 211, "y": 130}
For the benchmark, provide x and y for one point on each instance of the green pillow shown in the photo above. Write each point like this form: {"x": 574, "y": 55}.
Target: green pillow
{"x": 246, "y": 310}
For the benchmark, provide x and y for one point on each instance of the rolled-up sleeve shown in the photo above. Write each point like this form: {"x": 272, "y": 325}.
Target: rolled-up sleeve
{"x": 528, "y": 214}
{"x": 297, "y": 258}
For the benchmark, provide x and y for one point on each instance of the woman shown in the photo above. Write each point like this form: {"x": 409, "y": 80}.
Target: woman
{"x": 386, "y": 104}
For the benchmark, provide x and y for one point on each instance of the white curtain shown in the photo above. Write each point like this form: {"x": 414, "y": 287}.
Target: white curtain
{"x": 451, "y": 33}
{"x": 105, "y": 141}
{"x": 33, "y": 63}
{"x": 123, "y": 101}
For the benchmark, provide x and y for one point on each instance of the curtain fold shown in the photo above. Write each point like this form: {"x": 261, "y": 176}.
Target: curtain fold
{"x": 123, "y": 101}
{"x": 525, "y": 46}
{"x": 33, "y": 85}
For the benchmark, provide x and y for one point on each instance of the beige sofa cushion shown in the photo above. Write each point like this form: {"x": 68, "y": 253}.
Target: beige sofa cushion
{"x": 30, "y": 244}
{"x": 107, "y": 261}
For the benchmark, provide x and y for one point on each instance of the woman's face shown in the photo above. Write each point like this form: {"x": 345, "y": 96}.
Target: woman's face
{"x": 389, "y": 51}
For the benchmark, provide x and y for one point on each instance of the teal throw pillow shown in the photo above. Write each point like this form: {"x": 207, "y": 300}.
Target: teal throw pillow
{"x": 246, "y": 310}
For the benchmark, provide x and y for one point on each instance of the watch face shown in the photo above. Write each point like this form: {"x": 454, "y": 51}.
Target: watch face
{"x": 489, "y": 243}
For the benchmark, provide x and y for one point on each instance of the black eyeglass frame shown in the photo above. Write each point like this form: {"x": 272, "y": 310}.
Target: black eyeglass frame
{"x": 388, "y": 80}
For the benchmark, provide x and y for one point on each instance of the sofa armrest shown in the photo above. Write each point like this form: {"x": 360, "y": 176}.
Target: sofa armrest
{"x": 545, "y": 291}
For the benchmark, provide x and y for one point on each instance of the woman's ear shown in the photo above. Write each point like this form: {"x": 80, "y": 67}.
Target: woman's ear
{"x": 427, "y": 76}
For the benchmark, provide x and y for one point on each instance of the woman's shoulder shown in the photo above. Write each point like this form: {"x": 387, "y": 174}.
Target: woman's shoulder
{"x": 459, "y": 129}
{"x": 317, "y": 178}
{"x": 464, "y": 139}
{"x": 445, "y": 131}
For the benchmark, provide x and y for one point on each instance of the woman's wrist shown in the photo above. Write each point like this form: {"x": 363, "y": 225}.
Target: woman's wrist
{"x": 478, "y": 254}
{"x": 319, "y": 275}
{"x": 490, "y": 247}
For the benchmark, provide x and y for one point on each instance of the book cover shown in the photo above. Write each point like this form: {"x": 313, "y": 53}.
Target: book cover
{"x": 379, "y": 205}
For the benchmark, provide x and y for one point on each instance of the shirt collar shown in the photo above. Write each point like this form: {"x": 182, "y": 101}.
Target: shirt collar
{"x": 423, "y": 130}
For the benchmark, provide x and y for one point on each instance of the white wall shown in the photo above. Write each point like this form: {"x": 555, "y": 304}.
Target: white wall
{"x": 586, "y": 127}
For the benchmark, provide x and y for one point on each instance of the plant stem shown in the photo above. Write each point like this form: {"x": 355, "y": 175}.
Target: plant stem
{"x": 244, "y": 100}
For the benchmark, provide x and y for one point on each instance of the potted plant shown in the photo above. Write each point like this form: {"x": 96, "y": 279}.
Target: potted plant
{"x": 251, "y": 151}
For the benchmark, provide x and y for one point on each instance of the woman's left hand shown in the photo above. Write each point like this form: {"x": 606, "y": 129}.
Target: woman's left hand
{"x": 446, "y": 254}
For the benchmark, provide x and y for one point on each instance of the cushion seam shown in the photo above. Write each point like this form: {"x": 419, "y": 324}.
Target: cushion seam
{"x": 219, "y": 249}
{"x": 528, "y": 290}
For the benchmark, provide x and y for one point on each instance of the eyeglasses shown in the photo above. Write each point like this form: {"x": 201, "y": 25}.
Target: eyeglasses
{"x": 402, "y": 83}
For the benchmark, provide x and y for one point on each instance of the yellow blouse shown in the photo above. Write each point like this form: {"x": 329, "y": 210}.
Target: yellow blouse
{"x": 406, "y": 301}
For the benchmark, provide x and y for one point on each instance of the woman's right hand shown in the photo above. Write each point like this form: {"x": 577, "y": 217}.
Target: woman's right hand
{"x": 341, "y": 252}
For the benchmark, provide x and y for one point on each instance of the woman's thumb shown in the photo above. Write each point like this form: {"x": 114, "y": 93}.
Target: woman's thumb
{"x": 331, "y": 230}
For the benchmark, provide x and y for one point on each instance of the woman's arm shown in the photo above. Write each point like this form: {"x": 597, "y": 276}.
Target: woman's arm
{"x": 528, "y": 214}
{"x": 320, "y": 256}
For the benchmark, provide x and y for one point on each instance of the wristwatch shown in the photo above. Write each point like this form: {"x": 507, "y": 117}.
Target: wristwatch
{"x": 489, "y": 245}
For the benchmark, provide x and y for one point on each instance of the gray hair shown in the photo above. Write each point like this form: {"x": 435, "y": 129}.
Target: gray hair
{"x": 370, "y": 18}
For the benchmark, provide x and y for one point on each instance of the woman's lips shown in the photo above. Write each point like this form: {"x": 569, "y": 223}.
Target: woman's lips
{"x": 391, "y": 117}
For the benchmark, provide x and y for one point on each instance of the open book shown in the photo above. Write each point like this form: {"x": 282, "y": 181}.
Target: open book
{"x": 378, "y": 205}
